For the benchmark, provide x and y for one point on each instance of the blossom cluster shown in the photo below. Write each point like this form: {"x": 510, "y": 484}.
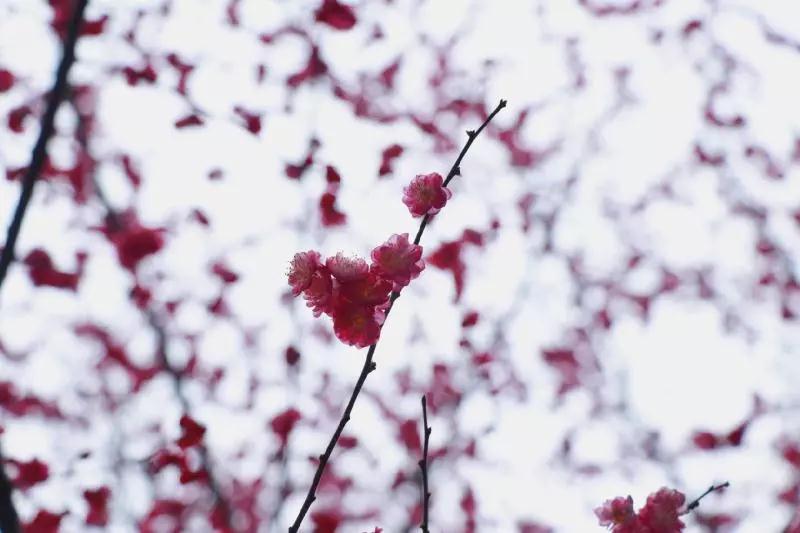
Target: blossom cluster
{"x": 661, "y": 513}
{"x": 356, "y": 295}
{"x": 353, "y": 293}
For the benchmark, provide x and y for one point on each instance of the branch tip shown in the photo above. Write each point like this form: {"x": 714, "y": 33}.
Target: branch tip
{"x": 369, "y": 364}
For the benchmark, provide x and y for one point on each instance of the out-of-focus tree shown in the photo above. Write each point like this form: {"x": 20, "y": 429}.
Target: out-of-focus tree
{"x": 609, "y": 298}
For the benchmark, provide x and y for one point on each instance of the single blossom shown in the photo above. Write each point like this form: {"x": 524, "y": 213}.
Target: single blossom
{"x": 426, "y": 195}
{"x": 302, "y": 269}
{"x": 616, "y": 512}
{"x": 371, "y": 290}
{"x": 355, "y": 324}
{"x": 346, "y": 269}
{"x": 319, "y": 294}
{"x": 662, "y": 511}
{"x": 398, "y": 260}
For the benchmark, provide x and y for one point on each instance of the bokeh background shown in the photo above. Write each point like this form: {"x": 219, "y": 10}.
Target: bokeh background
{"x": 611, "y": 305}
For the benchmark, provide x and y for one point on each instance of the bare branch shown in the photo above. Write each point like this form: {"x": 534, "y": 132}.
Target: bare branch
{"x": 423, "y": 466}
{"x": 9, "y": 520}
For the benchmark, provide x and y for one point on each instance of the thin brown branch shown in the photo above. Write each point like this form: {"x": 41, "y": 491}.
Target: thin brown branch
{"x": 423, "y": 466}
{"x": 9, "y": 520}
{"x": 369, "y": 364}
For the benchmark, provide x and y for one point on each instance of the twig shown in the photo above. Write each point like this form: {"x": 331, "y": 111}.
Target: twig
{"x": 369, "y": 364}
{"x": 423, "y": 466}
{"x": 9, "y": 520}
{"x": 455, "y": 170}
{"x": 696, "y": 502}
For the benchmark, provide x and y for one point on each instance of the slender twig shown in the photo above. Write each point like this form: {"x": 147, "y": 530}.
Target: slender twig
{"x": 369, "y": 364}
{"x": 423, "y": 466}
{"x": 9, "y": 520}
{"x": 696, "y": 502}
{"x": 455, "y": 170}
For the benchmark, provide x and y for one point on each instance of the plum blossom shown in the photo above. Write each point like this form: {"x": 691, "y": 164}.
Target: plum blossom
{"x": 662, "y": 510}
{"x": 355, "y": 324}
{"x": 660, "y": 514}
{"x": 371, "y": 290}
{"x": 615, "y": 512}
{"x": 426, "y": 195}
{"x": 356, "y": 295}
{"x": 302, "y": 269}
{"x": 346, "y": 269}
{"x": 398, "y": 260}
{"x": 319, "y": 294}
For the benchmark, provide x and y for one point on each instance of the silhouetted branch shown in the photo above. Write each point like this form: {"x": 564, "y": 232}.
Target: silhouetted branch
{"x": 369, "y": 364}
{"x": 39, "y": 155}
{"x": 9, "y": 520}
{"x": 423, "y": 466}
{"x": 696, "y": 502}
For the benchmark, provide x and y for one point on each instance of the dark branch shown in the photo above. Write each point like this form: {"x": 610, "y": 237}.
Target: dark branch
{"x": 39, "y": 154}
{"x": 423, "y": 466}
{"x": 713, "y": 488}
{"x": 9, "y": 520}
{"x": 455, "y": 170}
{"x": 369, "y": 365}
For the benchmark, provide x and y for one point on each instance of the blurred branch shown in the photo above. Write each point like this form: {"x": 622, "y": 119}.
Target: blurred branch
{"x": 117, "y": 223}
{"x": 9, "y": 520}
{"x": 369, "y": 364}
{"x": 423, "y": 466}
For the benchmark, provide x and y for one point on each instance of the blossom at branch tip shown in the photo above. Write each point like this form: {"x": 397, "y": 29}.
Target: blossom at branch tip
{"x": 660, "y": 514}
{"x": 426, "y": 194}
{"x": 398, "y": 260}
